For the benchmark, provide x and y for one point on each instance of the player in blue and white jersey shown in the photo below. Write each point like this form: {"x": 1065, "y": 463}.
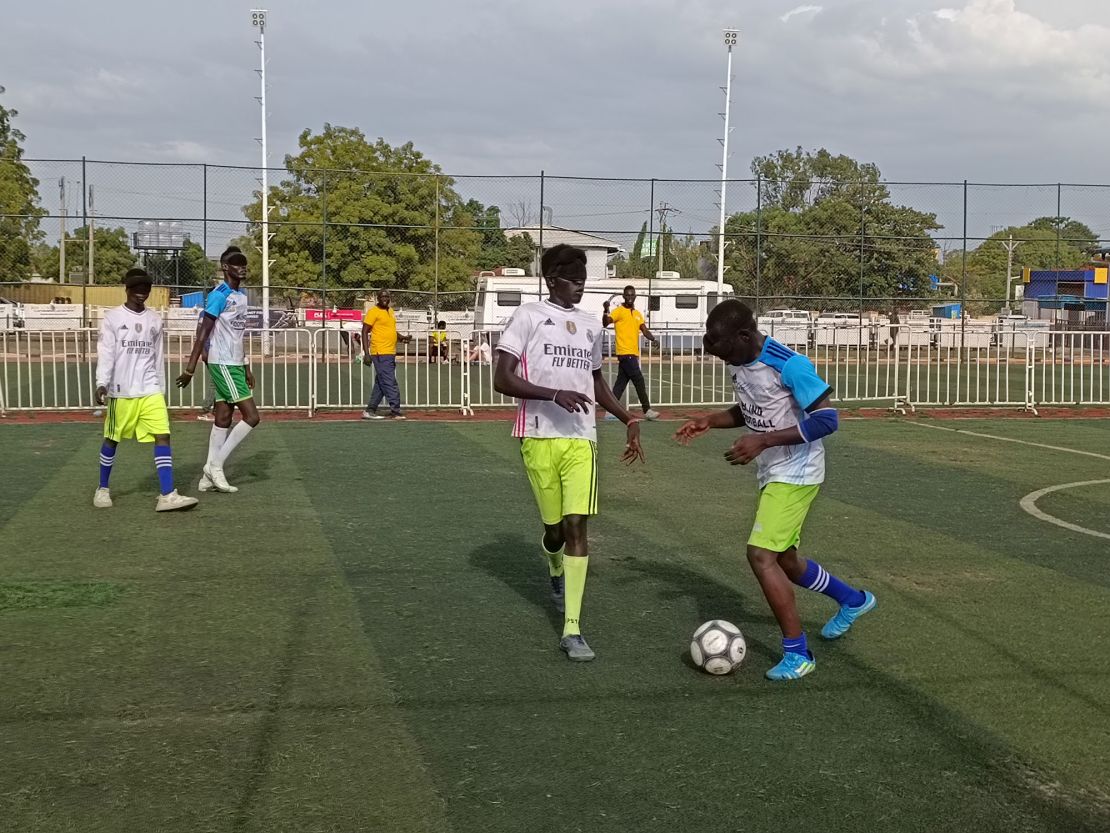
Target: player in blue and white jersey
{"x": 785, "y": 406}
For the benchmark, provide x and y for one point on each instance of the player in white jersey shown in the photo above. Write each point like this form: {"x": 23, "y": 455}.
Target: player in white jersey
{"x": 549, "y": 357}
{"x": 785, "y": 406}
{"x": 221, "y": 335}
{"x": 131, "y": 383}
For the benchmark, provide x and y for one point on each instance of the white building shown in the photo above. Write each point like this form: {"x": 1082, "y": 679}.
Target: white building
{"x": 598, "y": 250}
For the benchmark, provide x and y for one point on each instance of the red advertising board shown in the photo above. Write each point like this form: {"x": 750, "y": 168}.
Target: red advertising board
{"x": 333, "y": 315}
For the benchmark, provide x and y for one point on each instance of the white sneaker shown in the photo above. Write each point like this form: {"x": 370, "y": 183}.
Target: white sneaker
{"x": 205, "y": 484}
{"x": 651, "y": 413}
{"x": 205, "y": 417}
{"x": 102, "y": 499}
{"x": 173, "y": 501}
{"x": 218, "y": 481}
{"x": 372, "y": 415}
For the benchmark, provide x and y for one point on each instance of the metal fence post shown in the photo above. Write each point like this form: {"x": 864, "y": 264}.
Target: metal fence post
{"x": 204, "y": 203}
{"x": 963, "y": 298}
{"x": 435, "y": 295}
{"x": 539, "y": 252}
{"x": 324, "y": 251}
{"x": 758, "y": 242}
{"x": 862, "y": 245}
{"x": 651, "y": 239}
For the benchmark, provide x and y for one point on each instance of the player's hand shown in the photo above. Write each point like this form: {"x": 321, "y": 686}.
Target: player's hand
{"x": 366, "y": 359}
{"x": 573, "y": 401}
{"x": 746, "y": 449}
{"x": 605, "y": 307}
{"x": 101, "y": 395}
{"x": 633, "y": 451}
{"x": 250, "y": 376}
{"x": 691, "y": 429}
{"x": 184, "y": 379}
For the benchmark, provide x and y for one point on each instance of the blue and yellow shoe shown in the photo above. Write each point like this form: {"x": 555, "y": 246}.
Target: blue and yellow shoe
{"x": 792, "y": 667}
{"x": 844, "y": 618}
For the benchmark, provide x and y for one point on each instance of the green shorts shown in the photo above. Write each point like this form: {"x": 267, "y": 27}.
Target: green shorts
{"x": 230, "y": 381}
{"x": 782, "y": 512}
{"x": 144, "y": 418}
{"x": 563, "y": 474}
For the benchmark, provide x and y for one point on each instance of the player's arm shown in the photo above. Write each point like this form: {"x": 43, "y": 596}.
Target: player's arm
{"x": 105, "y": 359}
{"x": 204, "y": 333}
{"x": 508, "y": 382}
{"x": 648, "y": 334}
{"x": 606, "y": 318}
{"x": 729, "y": 418}
{"x": 367, "y": 326}
{"x": 604, "y": 395}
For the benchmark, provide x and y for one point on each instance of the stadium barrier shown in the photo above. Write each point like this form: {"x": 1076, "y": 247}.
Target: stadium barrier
{"x": 882, "y": 365}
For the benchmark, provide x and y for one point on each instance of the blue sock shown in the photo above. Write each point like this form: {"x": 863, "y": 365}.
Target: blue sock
{"x": 817, "y": 579}
{"x": 796, "y": 646}
{"x": 163, "y": 461}
{"x": 107, "y": 457}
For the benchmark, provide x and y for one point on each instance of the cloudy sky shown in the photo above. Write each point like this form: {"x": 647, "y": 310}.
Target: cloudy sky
{"x": 989, "y": 90}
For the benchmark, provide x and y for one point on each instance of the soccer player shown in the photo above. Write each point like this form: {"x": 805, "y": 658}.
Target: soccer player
{"x": 225, "y": 319}
{"x": 379, "y": 340}
{"x": 550, "y": 359}
{"x": 785, "y": 406}
{"x": 628, "y": 323}
{"x": 131, "y": 381}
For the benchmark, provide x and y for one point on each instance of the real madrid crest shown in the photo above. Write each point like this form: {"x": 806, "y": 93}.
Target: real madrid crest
{"x": 571, "y": 328}
{"x": 589, "y": 335}
{"x": 138, "y": 328}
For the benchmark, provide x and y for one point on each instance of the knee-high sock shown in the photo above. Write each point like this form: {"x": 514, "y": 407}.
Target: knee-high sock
{"x": 554, "y": 559}
{"x": 816, "y": 578}
{"x": 107, "y": 457}
{"x": 237, "y": 435}
{"x": 163, "y": 463}
{"x": 574, "y": 568}
{"x": 216, "y": 439}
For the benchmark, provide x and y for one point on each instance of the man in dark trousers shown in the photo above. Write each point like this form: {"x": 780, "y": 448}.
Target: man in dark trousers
{"x": 628, "y": 323}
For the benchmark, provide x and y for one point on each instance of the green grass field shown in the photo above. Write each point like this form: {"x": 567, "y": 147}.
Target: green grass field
{"x": 361, "y": 640}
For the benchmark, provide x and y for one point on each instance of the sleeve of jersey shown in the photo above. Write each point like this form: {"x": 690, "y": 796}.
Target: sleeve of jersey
{"x": 215, "y": 304}
{"x": 595, "y": 363}
{"x": 105, "y": 353}
{"x": 800, "y": 377}
{"x": 370, "y": 319}
{"x": 514, "y": 339}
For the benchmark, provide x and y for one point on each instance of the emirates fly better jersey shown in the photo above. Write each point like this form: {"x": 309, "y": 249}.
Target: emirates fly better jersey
{"x": 558, "y": 348}
{"x": 775, "y": 392}
{"x": 129, "y": 354}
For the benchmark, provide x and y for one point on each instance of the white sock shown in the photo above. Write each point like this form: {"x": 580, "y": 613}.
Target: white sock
{"x": 237, "y": 435}
{"x": 216, "y": 441}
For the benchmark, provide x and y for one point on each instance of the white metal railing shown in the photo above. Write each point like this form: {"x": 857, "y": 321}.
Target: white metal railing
{"x": 306, "y": 370}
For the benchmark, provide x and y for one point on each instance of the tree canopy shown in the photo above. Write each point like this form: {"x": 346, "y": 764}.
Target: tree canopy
{"x": 19, "y": 206}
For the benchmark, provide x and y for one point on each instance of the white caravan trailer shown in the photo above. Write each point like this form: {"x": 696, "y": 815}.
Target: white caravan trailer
{"x": 670, "y": 303}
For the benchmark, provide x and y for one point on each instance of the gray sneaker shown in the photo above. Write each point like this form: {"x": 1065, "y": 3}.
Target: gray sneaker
{"x": 559, "y": 593}
{"x": 651, "y": 414}
{"x": 576, "y": 648}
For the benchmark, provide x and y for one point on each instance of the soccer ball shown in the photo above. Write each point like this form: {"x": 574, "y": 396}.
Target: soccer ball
{"x": 718, "y": 647}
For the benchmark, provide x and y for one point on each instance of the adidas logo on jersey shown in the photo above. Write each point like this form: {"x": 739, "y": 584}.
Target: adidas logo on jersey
{"x": 549, "y": 323}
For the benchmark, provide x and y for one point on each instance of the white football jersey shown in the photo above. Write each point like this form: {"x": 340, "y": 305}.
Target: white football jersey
{"x": 775, "y": 392}
{"x": 229, "y": 308}
{"x": 558, "y": 348}
{"x": 129, "y": 354}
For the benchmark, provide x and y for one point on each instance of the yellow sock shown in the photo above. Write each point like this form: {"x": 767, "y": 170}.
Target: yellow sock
{"x": 554, "y": 559}
{"x": 575, "y": 567}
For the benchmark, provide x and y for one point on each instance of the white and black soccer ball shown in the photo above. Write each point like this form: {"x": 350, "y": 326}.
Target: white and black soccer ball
{"x": 718, "y": 647}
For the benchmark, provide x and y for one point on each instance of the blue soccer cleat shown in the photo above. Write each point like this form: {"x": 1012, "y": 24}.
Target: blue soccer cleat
{"x": 792, "y": 667}
{"x": 844, "y": 618}
{"x": 559, "y": 593}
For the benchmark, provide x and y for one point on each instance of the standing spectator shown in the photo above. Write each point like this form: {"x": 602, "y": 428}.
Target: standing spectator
{"x": 628, "y": 322}
{"x": 379, "y": 339}
{"x": 437, "y": 343}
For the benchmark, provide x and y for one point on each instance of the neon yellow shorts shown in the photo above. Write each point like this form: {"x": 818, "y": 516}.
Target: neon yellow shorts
{"x": 143, "y": 418}
{"x": 230, "y": 382}
{"x": 782, "y": 512}
{"x": 563, "y": 474}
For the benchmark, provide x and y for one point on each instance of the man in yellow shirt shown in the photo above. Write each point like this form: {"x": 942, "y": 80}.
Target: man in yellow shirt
{"x": 628, "y": 322}
{"x": 379, "y": 340}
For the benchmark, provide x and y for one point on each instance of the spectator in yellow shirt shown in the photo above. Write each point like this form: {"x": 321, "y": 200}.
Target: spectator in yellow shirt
{"x": 379, "y": 339}
{"x": 628, "y": 322}
{"x": 437, "y": 343}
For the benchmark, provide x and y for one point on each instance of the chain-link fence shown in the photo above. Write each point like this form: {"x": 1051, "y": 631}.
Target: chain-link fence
{"x": 869, "y": 247}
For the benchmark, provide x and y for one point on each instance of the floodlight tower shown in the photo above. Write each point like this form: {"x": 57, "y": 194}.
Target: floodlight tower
{"x": 258, "y": 20}
{"x": 731, "y": 36}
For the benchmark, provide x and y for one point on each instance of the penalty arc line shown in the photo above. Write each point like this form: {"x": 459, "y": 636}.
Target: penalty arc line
{"x": 1029, "y": 502}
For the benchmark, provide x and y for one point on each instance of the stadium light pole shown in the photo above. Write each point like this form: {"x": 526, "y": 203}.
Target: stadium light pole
{"x": 258, "y": 19}
{"x": 731, "y": 36}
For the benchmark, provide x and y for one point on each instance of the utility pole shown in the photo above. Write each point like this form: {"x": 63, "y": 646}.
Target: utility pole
{"x": 62, "y": 241}
{"x": 90, "y": 228}
{"x": 1009, "y": 246}
{"x": 731, "y": 36}
{"x": 258, "y": 19}
{"x": 663, "y": 210}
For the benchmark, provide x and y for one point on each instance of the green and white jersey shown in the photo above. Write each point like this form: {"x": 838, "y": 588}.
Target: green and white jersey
{"x": 229, "y": 309}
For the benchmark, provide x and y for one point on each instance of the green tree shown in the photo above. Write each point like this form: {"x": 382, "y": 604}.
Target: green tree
{"x": 827, "y": 226}
{"x": 1037, "y": 247}
{"x": 19, "y": 208}
{"x": 497, "y": 250}
{"x": 380, "y": 203}
{"x": 112, "y": 255}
